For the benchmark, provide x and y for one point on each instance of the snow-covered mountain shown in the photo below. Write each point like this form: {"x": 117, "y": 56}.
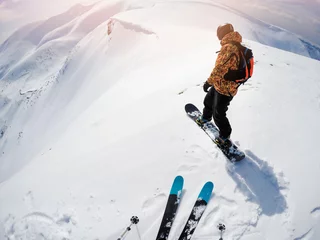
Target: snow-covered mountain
{"x": 298, "y": 16}
{"x": 93, "y": 128}
{"x": 279, "y": 37}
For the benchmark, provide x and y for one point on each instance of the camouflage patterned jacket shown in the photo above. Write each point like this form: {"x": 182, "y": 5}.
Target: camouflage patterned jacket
{"x": 228, "y": 58}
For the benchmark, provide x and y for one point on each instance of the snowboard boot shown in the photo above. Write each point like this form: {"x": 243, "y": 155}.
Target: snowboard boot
{"x": 201, "y": 121}
{"x": 224, "y": 142}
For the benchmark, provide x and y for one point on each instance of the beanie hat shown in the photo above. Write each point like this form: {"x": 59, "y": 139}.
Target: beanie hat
{"x": 223, "y": 30}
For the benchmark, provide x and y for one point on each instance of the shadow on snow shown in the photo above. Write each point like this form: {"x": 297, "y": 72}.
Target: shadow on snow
{"x": 256, "y": 179}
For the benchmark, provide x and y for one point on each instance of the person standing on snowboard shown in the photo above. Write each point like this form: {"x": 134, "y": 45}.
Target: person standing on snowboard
{"x": 222, "y": 91}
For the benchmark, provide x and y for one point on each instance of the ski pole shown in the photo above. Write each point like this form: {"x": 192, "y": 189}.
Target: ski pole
{"x": 221, "y": 228}
{"x": 133, "y": 220}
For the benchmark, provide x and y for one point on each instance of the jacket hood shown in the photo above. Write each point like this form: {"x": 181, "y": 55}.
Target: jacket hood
{"x": 231, "y": 37}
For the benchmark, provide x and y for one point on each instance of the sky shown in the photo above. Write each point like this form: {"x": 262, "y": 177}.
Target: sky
{"x": 297, "y": 16}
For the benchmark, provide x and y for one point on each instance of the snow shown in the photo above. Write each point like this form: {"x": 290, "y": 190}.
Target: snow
{"x": 93, "y": 128}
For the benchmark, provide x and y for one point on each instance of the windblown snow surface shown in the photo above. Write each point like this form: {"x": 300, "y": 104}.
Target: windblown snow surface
{"x": 93, "y": 128}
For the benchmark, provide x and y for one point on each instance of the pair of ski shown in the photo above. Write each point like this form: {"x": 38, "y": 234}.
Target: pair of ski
{"x": 172, "y": 206}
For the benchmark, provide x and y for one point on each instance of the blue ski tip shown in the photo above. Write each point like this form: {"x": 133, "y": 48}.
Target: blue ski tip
{"x": 177, "y": 185}
{"x": 206, "y": 191}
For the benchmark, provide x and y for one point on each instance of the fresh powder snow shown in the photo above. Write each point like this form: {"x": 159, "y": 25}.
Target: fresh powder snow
{"x": 93, "y": 129}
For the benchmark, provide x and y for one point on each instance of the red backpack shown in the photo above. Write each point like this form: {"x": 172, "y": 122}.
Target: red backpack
{"x": 246, "y": 64}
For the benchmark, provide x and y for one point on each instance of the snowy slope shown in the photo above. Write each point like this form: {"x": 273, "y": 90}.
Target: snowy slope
{"x": 298, "y": 16}
{"x": 286, "y": 30}
{"x": 293, "y": 25}
{"x": 98, "y": 134}
{"x": 35, "y": 55}
{"x": 15, "y": 13}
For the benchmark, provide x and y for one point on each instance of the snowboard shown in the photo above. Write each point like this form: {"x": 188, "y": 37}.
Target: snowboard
{"x": 197, "y": 211}
{"x": 171, "y": 208}
{"x": 232, "y": 152}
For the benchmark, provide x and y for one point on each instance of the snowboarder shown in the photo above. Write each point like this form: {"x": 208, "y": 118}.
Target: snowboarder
{"x": 222, "y": 91}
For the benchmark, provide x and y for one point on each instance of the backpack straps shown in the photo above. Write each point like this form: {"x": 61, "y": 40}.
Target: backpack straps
{"x": 242, "y": 63}
{"x": 245, "y": 65}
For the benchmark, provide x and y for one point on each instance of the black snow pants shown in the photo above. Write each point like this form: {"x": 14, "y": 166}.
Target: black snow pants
{"x": 216, "y": 106}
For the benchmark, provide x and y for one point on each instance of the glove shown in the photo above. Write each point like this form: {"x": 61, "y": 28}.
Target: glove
{"x": 206, "y": 86}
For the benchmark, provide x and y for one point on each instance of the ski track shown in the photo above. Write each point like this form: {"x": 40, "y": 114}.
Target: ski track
{"x": 306, "y": 235}
{"x": 316, "y": 212}
{"x": 150, "y": 205}
{"x": 197, "y": 157}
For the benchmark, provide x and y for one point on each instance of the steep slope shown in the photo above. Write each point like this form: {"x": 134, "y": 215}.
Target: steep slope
{"x": 30, "y": 64}
{"x": 110, "y": 133}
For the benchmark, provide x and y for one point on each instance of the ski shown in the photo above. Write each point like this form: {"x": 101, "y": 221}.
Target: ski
{"x": 232, "y": 153}
{"x": 171, "y": 208}
{"x": 197, "y": 211}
